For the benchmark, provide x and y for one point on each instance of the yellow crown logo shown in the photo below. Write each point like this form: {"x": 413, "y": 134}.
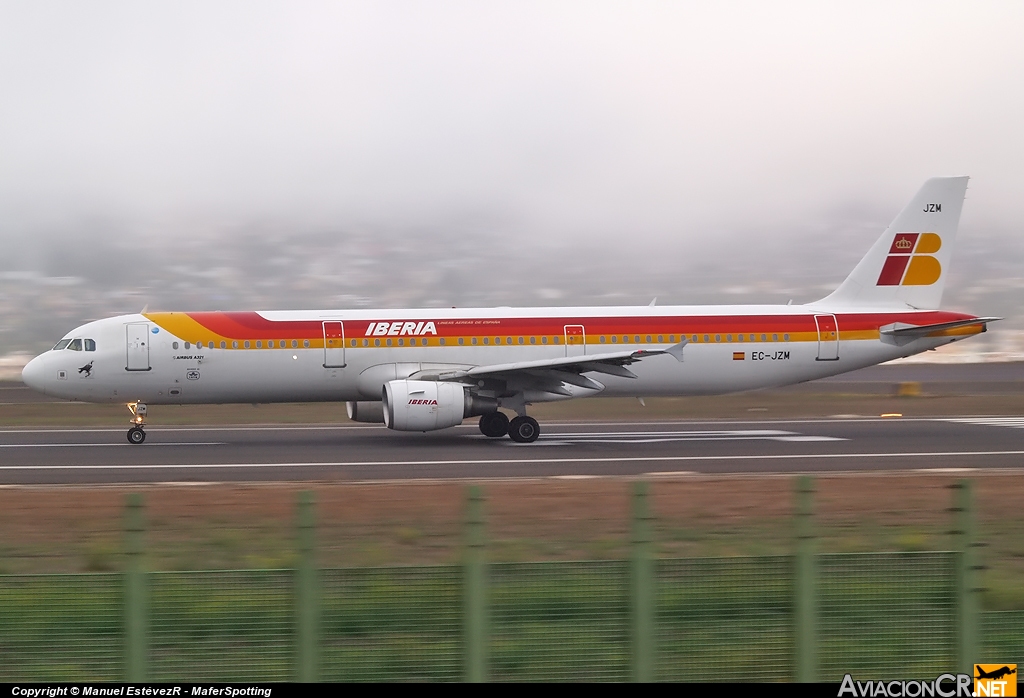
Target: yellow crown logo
{"x": 904, "y": 244}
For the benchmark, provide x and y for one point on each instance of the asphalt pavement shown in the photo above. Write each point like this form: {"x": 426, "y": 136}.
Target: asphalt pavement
{"x": 371, "y": 452}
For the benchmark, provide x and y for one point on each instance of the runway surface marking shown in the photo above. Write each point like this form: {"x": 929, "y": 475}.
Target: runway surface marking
{"x": 169, "y": 443}
{"x": 651, "y": 437}
{"x": 523, "y": 461}
{"x": 1012, "y": 422}
{"x": 552, "y": 424}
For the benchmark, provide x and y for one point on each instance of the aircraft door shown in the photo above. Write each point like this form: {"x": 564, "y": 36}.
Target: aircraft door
{"x": 137, "y": 346}
{"x": 575, "y": 340}
{"x": 828, "y": 337}
{"x": 334, "y": 345}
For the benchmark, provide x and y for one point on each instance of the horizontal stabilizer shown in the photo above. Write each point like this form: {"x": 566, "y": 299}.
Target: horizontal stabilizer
{"x": 902, "y": 329}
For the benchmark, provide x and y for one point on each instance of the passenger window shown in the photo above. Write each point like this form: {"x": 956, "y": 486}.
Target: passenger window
{"x": 223, "y": 345}
{"x": 533, "y": 340}
{"x": 305, "y": 343}
{"x": 174, "y": 346}
{"x": 474, "y": 340}
{"x": 295, "y": 343}
{"x": 62, "y": 344}
{"x": 90, "y": 345}
{"x": 775, "y": 337}
{"x": 520, "y": 340}
{"x": 247, "y": 345}
{"x": 764, "y": 338}
{"x": 543, "y": 340}
{"x": 556, "y": 339}
{"x": 366, "y": 342}
{"x": 234, "y": 345}
{"x": 441, "y": 341}
{"x": 487, "y": 340}
{"x": 188, "y": 345}
{"x": 615, "y": 339}
{"x": 602, "y": 339}
{"x": 76, "y": 345}
{"x": 718, "y": 338}
{"x": 648, "y": 339}
{"x": 661, "y": 338}
{"x": 461, "y": 340}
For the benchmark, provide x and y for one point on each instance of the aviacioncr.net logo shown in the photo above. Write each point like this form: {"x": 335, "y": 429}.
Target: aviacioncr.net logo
{"x": 911, "y": 261}
{"x": 945, "y": 686}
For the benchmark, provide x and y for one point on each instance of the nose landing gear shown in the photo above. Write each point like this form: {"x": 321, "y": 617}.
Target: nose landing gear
{"x": 136, "y": 435}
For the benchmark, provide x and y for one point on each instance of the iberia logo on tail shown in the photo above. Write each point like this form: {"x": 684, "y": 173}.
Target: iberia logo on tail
{"x": 910, "y": 261}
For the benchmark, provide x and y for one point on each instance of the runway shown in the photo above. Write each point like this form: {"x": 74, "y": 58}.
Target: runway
{"x": 349, "y": 452}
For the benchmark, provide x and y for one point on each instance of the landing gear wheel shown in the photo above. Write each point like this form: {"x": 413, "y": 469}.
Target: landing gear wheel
{"x": 523, "y": 430}
{"x": 136, "y": 435}
{"x": 494, "y": 424}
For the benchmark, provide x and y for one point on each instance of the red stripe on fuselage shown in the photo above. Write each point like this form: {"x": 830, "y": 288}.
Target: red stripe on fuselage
{"x": 251, "y": 325}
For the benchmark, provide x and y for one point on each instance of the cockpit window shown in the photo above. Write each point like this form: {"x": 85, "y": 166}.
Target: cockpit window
{"x": 76, "y": 345}
{"x": 61, "y": 344}
{"x": 90, "y": 344}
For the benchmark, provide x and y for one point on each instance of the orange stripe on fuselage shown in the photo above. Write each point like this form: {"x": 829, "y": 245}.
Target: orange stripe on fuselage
{"x": 251, "y": 326}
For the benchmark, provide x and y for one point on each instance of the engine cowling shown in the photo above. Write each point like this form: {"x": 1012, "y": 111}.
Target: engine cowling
{"x": 411, "y": 405}
{"x": 366, "y": 411}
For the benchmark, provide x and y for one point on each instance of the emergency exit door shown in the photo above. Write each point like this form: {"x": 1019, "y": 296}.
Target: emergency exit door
{"x": 334, "y": 345}
{"x": 575, "y": 340}
{"x": 828, "y": 337}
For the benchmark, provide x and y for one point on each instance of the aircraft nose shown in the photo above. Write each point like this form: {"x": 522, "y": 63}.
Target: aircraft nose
{"x": 32, "y": 374}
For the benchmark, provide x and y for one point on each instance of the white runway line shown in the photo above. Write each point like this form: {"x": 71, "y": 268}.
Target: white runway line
{"x": 523, "y": 461}
{"x": 1012, "y": 422}
{"x": 170, "y": 443}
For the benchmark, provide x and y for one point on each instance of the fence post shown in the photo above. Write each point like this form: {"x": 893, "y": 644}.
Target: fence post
{"x": 806, "y": 587}
{"x": 642, "y": 587}
{"x": 475, "y": 585}
{"x": 135, "y": 601}
{"x": 307, "y": 594}
{"x": 966, "y": 578}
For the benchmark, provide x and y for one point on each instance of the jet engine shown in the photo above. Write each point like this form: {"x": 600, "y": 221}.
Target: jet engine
{"x": 411, "y": 405}
{"x": 366, "y": 411}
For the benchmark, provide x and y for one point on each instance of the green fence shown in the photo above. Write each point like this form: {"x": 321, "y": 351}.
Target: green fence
{"x": 749, "y": 618}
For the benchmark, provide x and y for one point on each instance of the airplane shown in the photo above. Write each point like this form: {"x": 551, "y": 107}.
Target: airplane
{"x": 994, "y": 674}
{"x": 427, "y": 369}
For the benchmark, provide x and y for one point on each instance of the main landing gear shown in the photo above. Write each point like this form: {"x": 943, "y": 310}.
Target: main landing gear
{"x": 136, "y": 435}
{"x": 521, "y": 429}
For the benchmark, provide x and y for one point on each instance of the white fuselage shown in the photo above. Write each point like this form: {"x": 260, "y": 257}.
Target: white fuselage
{"x": 188, "y": 358}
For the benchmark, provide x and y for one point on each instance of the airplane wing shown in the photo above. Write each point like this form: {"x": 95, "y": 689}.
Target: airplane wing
{"x": 551, "y": 374}
{"x": 902, "y": 329}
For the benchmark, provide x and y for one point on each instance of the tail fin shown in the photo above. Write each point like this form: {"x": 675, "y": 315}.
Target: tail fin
{"x": 908, "y": 265}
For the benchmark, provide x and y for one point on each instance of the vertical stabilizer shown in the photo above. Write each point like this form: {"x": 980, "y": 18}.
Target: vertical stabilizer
{"x": 908, "y": 265}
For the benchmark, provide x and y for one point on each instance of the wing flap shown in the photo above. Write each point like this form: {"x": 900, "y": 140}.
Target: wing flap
{"x": 608, "y": 362}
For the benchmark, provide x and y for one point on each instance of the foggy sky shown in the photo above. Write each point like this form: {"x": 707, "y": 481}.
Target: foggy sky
{"x": 645, "y": 124}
